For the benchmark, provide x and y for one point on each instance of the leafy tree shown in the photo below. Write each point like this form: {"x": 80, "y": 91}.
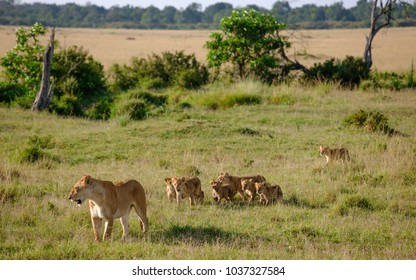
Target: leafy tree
{"x": 252, "y": 43}
{"x": 22, "y": 65}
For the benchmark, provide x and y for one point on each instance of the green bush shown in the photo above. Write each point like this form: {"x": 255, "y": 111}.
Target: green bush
{"x": 390, "y": 81}
{"x": 138, "y": 104}
{"x": 10, "y": 91}
{"x": 157, "y": 72}
{"x": 79, "y": 85}
{"x": 35, "y": 149}
{"x": 66, "y": 105}
{"x": 372, "y": 121}
{"x": 348, "y": 72}
{"x": 76, "y": 72}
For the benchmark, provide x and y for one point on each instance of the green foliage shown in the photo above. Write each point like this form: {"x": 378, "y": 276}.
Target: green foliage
{"x": 192, "y": 17}
{"x": 76, "y": 72}
{"x": 35, "y": 149}
{"x": 351, "y": 202}
{"x": 390, "y": 81}
{"x": 251, "y": 42}
{"x": 10, "y": 91}
{"x": 157, "y": 72}
{"x": 215, "y": 101}
{"x": 348, "y": 72}
{"x": 138, "y": 104}
{"x": 22, "y": 65}
{"x": 372, "y": 121}
{"x": 79, "y": 85}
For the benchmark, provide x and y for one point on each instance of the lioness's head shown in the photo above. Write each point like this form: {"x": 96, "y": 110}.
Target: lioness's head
{"x": 79, "y": 190}
{"x": 224, "y": 178}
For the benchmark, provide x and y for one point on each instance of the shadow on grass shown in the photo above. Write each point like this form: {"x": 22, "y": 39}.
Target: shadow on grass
{"x": 175, "y": 234}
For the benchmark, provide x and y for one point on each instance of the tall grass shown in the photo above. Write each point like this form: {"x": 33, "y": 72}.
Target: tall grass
{"x": 361, "y": 209}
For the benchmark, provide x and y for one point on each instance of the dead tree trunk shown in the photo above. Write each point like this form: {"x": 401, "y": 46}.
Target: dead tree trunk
{"x": 384, "y": 13}
{"x": 44, "y": 95}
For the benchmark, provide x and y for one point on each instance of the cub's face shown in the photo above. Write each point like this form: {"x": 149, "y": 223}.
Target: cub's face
{"x": 80, "y": 190}
{"x": 215, "y": 185}
{"x": 180, "y": 188}
{"x": 262, "y": 188}
{"x": 169, "y": 185}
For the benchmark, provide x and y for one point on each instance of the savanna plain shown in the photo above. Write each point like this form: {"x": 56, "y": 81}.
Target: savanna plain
{"x": 364, "y": 208}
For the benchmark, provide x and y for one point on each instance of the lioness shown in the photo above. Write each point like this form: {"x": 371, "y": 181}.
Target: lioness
{"x": 250, "y": 189}
{"x": 334, "y": 154}
{"x": 235, "y": 182}
{"x": 108, "y": 201}
{"x": 170, "y": 189}
{"x": 188, "y": 187}
{"x": 268, "y": 193}
{"x": 220, "y": 192}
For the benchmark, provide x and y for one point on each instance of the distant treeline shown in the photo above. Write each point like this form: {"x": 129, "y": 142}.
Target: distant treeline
{"x": 309, "y": 16}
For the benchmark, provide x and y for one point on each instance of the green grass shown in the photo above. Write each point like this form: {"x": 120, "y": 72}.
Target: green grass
{"x": 362, "y": 209}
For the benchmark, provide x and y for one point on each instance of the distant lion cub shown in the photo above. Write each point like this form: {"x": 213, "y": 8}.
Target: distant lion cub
{"x": 334, "y": 154}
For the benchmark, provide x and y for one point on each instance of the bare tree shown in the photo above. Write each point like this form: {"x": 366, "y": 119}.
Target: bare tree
{"x": 381, "y": 16}
{"x": 44, "y": 95}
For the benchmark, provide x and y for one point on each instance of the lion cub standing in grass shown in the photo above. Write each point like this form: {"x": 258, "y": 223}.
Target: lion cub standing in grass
{"x": 108, "y": 201}
{"x": 334, "y": 154}
{"x": 170, "y": 190}
{"x": 268, "y": 193}
{"x": 188, "y": 187}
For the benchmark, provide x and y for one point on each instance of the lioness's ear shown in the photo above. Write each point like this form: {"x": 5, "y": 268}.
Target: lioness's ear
{"x": 167, "y": 179}
{"x": 87, "y": 179}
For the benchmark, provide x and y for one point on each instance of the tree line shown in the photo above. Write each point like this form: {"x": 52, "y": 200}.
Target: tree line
{"x": 308, "y": 16}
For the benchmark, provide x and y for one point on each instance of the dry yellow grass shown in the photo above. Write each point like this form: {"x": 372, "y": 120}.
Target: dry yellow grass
{"x": 393, "y": 48}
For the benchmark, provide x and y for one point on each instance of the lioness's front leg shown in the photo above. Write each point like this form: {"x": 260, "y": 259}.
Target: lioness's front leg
{"x": 96, "y": 225}
{"x": 108, "y": 228}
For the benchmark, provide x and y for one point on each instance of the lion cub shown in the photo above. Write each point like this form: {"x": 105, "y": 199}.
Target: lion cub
{"x": 220, "y": 192}
{"x": 234, "y": 182}
{"x": 188, "y": 187}
{"x": 249, "y": 186}
{"x": 334, "y": 154}
{"x": 268, "y": 193}
{"x": 170, "y": 190}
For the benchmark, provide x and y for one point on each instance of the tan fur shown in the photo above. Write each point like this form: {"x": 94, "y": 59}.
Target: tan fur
{"x": 108, "y": 202}
{"x": 170, "y": 190}
{"x": 188, "y": 187}
{"x": 235, "y": 182}
{"x": 268, "y": 193}
{"x": 334, "y": 154}
{"x": 249, "y": 188}
{"x": 220, "y": 192}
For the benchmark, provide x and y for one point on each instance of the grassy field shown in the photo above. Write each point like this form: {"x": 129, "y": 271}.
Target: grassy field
{"x": 363, "y": 209}
{"x": 393, "y": 48}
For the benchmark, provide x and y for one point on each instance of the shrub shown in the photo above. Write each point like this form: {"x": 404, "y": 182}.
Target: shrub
{"x": 10, "y": 91}
{"x": 156, "y": 72}
{"x": 79, "y": 85}
{"x": 348, "y": 72}
{"x": 372, "y": 121}
{"x": 138, "y": 104}
{"x": 75, "y": 71}
{"x": 35, "y": 149}
{"x": 390, "y": 81}
{"x": 66, "y": 105}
